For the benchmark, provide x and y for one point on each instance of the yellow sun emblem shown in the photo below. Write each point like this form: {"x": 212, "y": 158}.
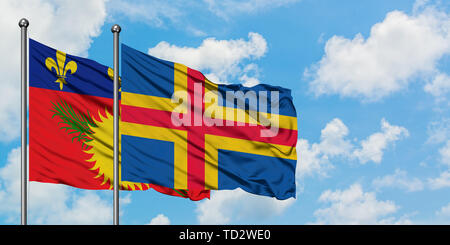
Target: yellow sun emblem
{"x": 102, "y": 153}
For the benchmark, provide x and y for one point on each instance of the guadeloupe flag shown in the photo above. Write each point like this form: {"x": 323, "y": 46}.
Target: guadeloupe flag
{"x": 182, "y": 131}
{"x": 71, "y": 123}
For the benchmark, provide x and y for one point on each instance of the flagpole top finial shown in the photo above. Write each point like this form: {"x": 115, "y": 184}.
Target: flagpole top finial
{"x": 23, "y": 22}
{"x": 115, "y": 28}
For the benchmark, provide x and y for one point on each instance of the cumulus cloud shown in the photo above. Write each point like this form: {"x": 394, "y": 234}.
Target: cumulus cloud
{"x": 387, "y": 60}
{"x": 316, "y": 158}
{"x": 10, "y": 185}
{"x": 445, "y": 153}
{"x": 372, "y": 148}
{"x": 440, "y": 182}
{"x": 400, "y": 180}
{"x": 160, "y": 219}
{"x": 65, "y": 25}
{"x": 443, "y": 180}
{"x": 311, "y": 161}
{"x": 332, "y": 138}
{"x": 219, "y": 60}
{"x": 50, "y": 203}
{"x": 56, "y": 204}
{"x": 439, "y": 86}
{"x": 353, "y": 206}
{"x": 438, "y": 131}
{"x": 250, "y": 74}
{"x": 444, "y": 211}
{"x": 230, "y": 206}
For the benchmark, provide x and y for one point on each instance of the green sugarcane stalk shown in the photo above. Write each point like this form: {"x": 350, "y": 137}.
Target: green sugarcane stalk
{"x": 80, "y": 124}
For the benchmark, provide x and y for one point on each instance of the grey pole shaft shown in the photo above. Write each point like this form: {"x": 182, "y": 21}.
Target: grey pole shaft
{"x": 116, "y": 30}
{"x": 23, "y": 24}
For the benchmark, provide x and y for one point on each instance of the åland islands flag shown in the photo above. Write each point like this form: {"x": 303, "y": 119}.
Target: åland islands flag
{"x": 182, "y": 131}
{"x": 71, "y": 123}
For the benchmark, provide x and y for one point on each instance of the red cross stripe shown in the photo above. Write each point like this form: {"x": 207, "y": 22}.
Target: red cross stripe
{"x": 198, "y": 132}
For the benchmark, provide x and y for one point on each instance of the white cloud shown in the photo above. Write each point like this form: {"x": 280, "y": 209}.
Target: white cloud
{"x": 10, "y": 185}
{"x": 51, "y": 203}
{"x": 439, "y": 86}
{"x": 249, "y": 81}
{"x": 372, "y": 148}
{"x": 228, "y": 8}
{"x": 387, "y": 60}
{"x": 219, "y": 60}
{"x": 228, "y": 206}
{"x": 445, "y": 153}
{"x": 440, "y": 182}
{"x": 399, "y": 180}
{"x": 402, "y": 220}
{"x": 332, "y": 139}
{"x": 250, "y": 74}
{"x": 443, "y": 180}
{"x": 160, "y": 219}
{"x": 439, "y": 131}
{"x": 444, "y": 211}
{"x": 316, "y": 158}
{"x": 311, "y": 160}
{"x": 65, "y": 25}
{"x": 56, "y": 204}
{"x": 419, "y": 5}
{"x": 354, "y": 206}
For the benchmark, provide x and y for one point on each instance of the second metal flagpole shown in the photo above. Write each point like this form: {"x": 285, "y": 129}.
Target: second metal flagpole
{"x": 23, "y": 24}
{"x": 116, "y": 30}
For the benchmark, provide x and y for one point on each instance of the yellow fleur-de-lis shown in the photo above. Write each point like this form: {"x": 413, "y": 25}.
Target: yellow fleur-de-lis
{"x": 60, "y": 67}
{"x": 111, "y": 75}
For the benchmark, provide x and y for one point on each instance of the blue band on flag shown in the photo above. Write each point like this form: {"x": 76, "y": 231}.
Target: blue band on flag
{"x": 257, "y": 174}
{"x": 146, "y": 74}
{"x": 285, "y": 107}
{"x": 90, "y": 78}
{"x": 147, "y": 161}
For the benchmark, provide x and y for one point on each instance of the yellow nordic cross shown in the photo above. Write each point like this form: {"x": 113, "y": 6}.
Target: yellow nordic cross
{"x": 61, "y": 68}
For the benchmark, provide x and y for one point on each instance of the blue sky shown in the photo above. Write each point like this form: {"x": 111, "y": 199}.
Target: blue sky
{"x": 370, "y": 82}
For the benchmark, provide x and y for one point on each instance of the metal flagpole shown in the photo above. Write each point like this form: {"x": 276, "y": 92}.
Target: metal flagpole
{"x": 116, "y": 30}
{"x": 23, "y": 23}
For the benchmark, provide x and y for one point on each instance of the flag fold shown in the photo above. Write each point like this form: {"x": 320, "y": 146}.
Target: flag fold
{"x": 182, "y": 131}
{"x": 71, "y": 123}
